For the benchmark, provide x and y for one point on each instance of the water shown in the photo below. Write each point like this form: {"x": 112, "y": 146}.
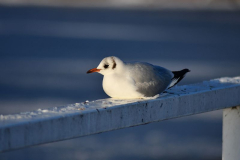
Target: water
{"x": 45, "y": 53}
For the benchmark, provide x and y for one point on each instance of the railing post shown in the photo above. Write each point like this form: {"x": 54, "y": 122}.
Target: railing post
{"x": 231, "y": 134}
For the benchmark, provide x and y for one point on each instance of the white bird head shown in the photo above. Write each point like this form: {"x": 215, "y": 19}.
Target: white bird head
{"x": 108, "y": 65}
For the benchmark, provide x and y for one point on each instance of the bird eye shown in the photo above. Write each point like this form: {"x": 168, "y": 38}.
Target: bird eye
{"x": 106, "y": 66}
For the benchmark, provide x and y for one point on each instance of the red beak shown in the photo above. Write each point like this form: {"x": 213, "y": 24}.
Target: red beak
{"x": 93, "y": 70}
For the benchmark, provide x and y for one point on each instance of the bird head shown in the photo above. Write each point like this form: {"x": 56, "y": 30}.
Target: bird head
{"x": 108, "y": 65}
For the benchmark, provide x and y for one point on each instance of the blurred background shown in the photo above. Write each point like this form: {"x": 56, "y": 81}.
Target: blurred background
{"x": 47, "y": 46}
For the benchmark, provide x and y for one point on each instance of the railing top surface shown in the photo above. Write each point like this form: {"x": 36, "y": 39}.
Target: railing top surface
{"x": 97, "y": 105}
{"x": 86, "y": 118}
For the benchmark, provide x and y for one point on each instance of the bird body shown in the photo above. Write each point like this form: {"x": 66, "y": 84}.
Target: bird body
{"x": 118, "y": 86}
{"x": 136, "y": 79}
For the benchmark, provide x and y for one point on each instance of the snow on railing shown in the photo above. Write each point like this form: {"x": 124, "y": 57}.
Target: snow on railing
{"x": 81, "y": 119}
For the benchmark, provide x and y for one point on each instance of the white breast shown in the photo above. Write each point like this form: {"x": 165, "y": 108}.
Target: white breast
{"x": 117, "y": 86}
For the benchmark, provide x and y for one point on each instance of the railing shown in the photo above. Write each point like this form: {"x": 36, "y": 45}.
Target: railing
{"x": 81, "y": 119}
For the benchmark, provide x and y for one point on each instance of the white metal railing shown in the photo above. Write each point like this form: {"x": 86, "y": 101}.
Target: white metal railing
{"x": 81, "y": 119}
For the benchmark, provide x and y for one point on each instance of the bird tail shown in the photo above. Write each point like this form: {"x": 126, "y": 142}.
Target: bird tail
{"x": 178, "y": 76}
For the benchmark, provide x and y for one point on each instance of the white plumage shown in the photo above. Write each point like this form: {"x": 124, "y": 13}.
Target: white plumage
{"x": 136, "y": 79}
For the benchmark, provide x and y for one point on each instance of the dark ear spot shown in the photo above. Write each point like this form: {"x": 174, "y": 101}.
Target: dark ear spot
{"x": 114, "y": 63}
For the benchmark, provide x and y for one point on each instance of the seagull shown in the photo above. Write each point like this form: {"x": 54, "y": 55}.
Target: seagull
{"x": 125, "y": 80}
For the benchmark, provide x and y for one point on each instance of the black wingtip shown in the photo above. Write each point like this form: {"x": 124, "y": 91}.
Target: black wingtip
{"x": 178, "y": 76}
{"x": 186, "y": 70}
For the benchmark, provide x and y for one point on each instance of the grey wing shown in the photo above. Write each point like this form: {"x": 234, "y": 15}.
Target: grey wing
{"x": 150, "y": 80}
